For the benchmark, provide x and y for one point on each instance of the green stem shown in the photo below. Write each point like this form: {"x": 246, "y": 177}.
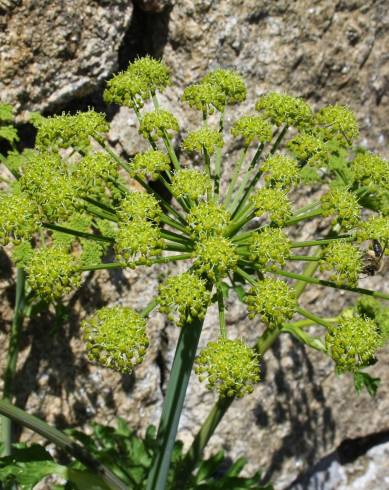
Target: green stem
{"x": 301, "y": 217}
{"x": 330, "y": 284}
{"x": 220, "y": 304}
{"x": 313, "y": 317}
{"x": 77, "y": 233}
{"x": 171, "y": 152}
{"x": 306, "y": 258}
{"x": 173, "y": 403}
{"x": 324, "y": 241}
{"x": 235, "y": 175}
{"x": 62, "y": 441}
{"x": 149, "y": 308}
{"x": 12, "y": 357}
{"x": 123, "y": 265}
{"x": 169, "y": 221}
{"x": 304, "y": 337}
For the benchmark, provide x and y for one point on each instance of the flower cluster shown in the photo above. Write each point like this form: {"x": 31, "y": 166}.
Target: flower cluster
{"x": 344, "y": 205}
{"x": 344, "y": 260}
{"x": 191, "y": 183}
{"x": 53, "y": 272}
{"x": 116, "y": 338}
{"x": 353, "y": 343}
{"x": 204, "y": 139}
{"x": 230, "y": 367}
{"x": 72, "y": 207}
{"x": 149, "y": 164}
{"x": 184, "y": 298}
{"x": 269, "y": 246}
{"x": 283, "y": 109}
{"x": 273, "y": 300}
{"x": 274, "y": 203}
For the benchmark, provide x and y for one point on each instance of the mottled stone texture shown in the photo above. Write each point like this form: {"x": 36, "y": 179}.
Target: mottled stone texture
{"x": 327, "y": 51}
{"x": 53, "y": 50}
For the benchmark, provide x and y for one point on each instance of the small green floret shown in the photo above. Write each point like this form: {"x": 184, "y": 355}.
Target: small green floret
{"x": 154, "y": 73}
{"x": 344, "y": 260}
{"x": 282, "y": 109}
{"x": 67, "y": 131}
{"x": 353, "y": 343}
{"x": 371, "y": 170}
{"x": 191, "y": 183}
{"x": 18, "y": 217}
{"x": 139, "y": 206}
{"x": 203, "y": 139}
{"x": 280, "y": 171}
{"x": 342, "y": 203}
{"x": 137, "y": 242}
{"x": 269, "y": 246}
{"x": 208, "y": 218}
{"x": 116, "y": 338}
{"x": 158, "y": 124}
{"x": 52, "y": 272}
{"x": 230, "y": 367}
{"x": 273, "y": 300}
{"x": 149, "y": 164}
{"x": 309, "y": 149}
{"x": 204, "y": 97}
{"x": 273, "y": 202}
{"x": 252, "y": 128}
{"x": 339, "y": 123}
{"x": 375, "y": 228}
{"x": 230, "y": 83}
{"x": 183, "y": 298}
{"x": 215, "y": 257}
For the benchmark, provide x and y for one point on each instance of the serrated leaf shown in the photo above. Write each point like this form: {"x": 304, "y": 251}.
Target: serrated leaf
{"x": 9, "y": 133}
{"x": 364, "y": 380}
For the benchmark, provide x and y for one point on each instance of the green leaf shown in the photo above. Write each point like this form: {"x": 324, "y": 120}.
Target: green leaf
{"x": 6, "y": 112}
{"x": 9, "y": 133}
{"x": 364, "y": 380}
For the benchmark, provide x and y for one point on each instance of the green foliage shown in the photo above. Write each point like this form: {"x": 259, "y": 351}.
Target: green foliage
{"x": 116, "y": 337}
{"x": 230, "y": 367}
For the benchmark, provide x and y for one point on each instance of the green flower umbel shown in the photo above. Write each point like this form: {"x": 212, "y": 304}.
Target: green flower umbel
{"x": 344, "y": 261}
{"x": 137, "y": 242}
{"x": 274, "y": 203}
{"x": 282, "y": 109}
{"x": 139, "y": 206}
{"x": 252, "y": 128}
{"x": 273, "y": 300}
{"x": 230, "y": 83}
{"x": 188, "y": 182}
{"x": 18, "y": 218}
{"x": 344, "y": 205}
{"x": 204, "y": 139}
{"x": 116, "y": 338}
{"x": 339, "y": 123}
{"x": 149, "y": 164}
{"x": 158, "y": 124}
{"x": 230, "y": 367}
{"x": 184, "y": 298}
{"x": 353, "y": 343}
{"x": 208, "y": 218}
{"x": 215, "y": 256}
{"x": 52, "y": 273}
{"x": 269, "y": 246}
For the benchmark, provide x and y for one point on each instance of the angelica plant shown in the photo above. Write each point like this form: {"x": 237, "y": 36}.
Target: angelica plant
{"x": 230, "y": 224}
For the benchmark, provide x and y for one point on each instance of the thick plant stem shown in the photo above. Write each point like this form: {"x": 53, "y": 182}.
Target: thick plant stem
{"x": 62, "y": 441}
{"x": 12, "y": 357}
{"x": 173, "y": 403}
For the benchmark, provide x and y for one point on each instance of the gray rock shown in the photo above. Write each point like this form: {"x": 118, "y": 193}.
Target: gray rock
{"x": 53, "y": 51}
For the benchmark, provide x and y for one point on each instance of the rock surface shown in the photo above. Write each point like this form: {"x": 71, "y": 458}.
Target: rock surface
{"x": 326, "y": 51}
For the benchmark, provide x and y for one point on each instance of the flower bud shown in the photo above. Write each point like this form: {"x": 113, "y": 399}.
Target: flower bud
{"x": 230, "y": 83}
{"x": 18, "y": 217}
{"x": 343, "y": 204}
{"x": 309, "y": 149}
{"x": 204, "y": 97}
{"x": 337, "y": 122}
{"x": 208, "y": 218}
{"x": 215, "y": 257}
{"x": 139, "y": 206}
{"x": 281, "y": 171}
{"x": 149, "y": 164}
{"x": 375, "y": 228}
{"x": 371, "y": 170}
{"x": 269, "y": 245}
{"x": 138, "y": 242}
{"x": 344, "y": 260}
{"x": 157, "y": 124}
{"x": 285, "y": 109}
{"x": 273, "y": 202}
